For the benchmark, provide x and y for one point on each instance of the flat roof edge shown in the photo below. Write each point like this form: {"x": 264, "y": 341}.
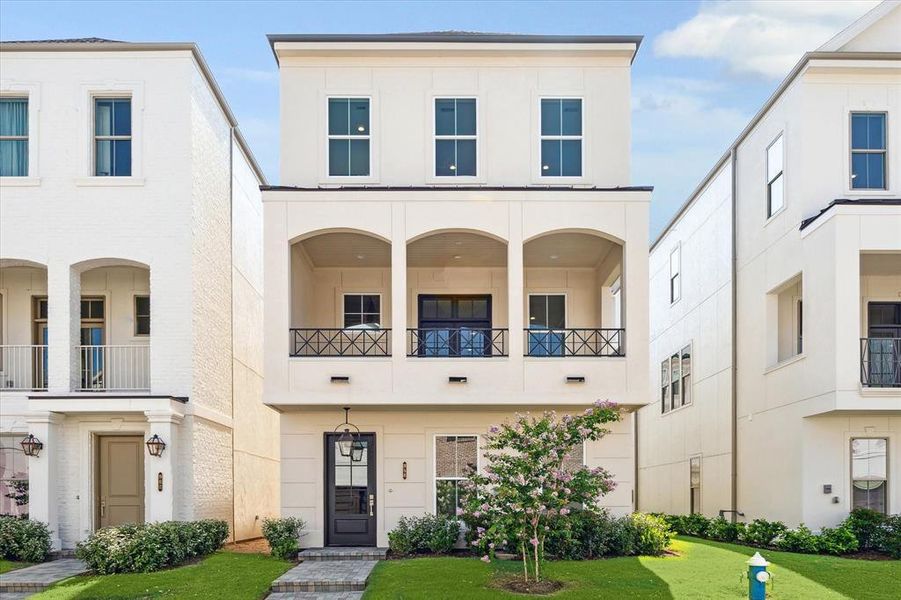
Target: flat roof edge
{"x": 465, "y": 188}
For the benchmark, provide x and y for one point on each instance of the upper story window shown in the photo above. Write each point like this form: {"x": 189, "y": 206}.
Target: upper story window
{"x": 349, "y": 137}
{"x": 13, "y": 137}
{"x": 455, "y": 137}
{"x": 561, "y": 137}
{"x": 362, "y": 310}
{"x": 675, "y": 380}
{"x": 112, "y": 137}
{"x": 868, "y": 151}
{"x": 142, "y": 315}
{"x": 775, "y": 182}
{"x": 675, "y": 274}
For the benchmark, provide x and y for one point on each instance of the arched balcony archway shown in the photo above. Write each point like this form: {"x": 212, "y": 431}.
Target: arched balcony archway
{"x": 573, "y": 295}
{"x": 23, "y": 325}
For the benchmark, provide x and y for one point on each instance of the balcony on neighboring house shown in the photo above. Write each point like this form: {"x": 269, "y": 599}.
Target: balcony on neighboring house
{"x": 23, "y": 326}
{"x": 880, "y": 350}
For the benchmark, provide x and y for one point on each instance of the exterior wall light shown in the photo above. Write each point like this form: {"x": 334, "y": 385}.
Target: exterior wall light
{"x": 156, "y": 445}
{"x": 349, "y": 444}
{"x": 31, "y": 445}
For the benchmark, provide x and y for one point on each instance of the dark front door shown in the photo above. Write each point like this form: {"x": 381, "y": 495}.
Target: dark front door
{"x": 884, "y": 324}
{"x": 454, "y": 325}
{"x": 350, "y": 493}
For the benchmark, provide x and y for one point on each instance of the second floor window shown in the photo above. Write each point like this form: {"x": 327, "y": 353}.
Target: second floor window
{"x": 675, "y": 275}
{"x": 868, "y": 151}
{"x": 112, "y": 137}
{"x": 362, "y": 310}
{"x": 561, "y": 137}
{"x": 775, "y": 188}
{"x": 348, "y": 137}
{"x": 13, "y": 137}
{"x": 675, "y": 380}
{"x": 455, "y": 137}
{"x": 142, "y": 315}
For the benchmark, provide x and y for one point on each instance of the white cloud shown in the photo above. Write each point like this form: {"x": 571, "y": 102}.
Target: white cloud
{"x": 759, "y": 36}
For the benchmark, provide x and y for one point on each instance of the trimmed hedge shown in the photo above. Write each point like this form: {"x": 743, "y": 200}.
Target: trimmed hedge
{"x": 435, "y": 534}
{"x": 23, "y": 540}
{"x": 283, "y": 536}
{"x": 585, "y": 535}
{"x": 150, "y": 546}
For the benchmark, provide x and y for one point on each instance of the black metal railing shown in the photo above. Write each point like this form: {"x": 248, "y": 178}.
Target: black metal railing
{"x": 880, "y": 362}
{"x": 574, "y": 342}
{"x": 340, "y": 342}
{"x": 460, "y": 342}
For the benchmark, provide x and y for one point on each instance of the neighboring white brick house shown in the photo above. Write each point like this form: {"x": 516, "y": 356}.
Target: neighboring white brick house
{"x": 784, "y": 332}
{"x": 80, "y": 254}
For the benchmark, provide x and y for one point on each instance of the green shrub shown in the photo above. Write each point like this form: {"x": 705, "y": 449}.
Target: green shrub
{"x": 150, "y": 546}
{"x": 840, "y": 540}
{"x": 434, "y": 534}
{"x": 801, "y": 539}
{"x": 724, "y": 530}
{"x": 23, "y": 540}
{"x": 888, "y": 537}
{"x": 651, "y": 535}
{"x": 761, "y": 532}
{"x": 865, "y": 524}
{"x": 589, "y": 534}
{"x": 283, "y": 536}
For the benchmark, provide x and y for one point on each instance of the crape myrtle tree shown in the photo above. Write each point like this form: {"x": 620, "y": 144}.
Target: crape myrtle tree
{"x": 525, "y": 491}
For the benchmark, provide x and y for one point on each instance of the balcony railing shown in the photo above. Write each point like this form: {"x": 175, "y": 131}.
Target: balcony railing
{"x": 880, "y": 362}
{"x": 574, "y": 342}
{"x": 23, "y": 368}
{"x": 456, "y": 343}
{"x": 340, "y": 342}
{"x": 114, "y": 368}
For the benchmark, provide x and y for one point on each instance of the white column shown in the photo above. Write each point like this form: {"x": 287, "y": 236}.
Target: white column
{"x": 398, "y": 286}
{"x": 160, "y": 503}
{"x": 63, "y": 326}
{"x": 43, "y": 495}
{"x": 515, "y": 284}
{"x": 278, "y": 282}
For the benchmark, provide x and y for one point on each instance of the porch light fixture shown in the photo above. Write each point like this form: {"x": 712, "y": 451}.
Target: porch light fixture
{"x": 156, "y": 445}
{"x": 31, "y": 445}
{"x": 349, "y": 444}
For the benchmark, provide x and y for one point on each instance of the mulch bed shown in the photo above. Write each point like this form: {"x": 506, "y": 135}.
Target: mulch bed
{"x": 520, "y": 586}
{"x": 255, "y": 546}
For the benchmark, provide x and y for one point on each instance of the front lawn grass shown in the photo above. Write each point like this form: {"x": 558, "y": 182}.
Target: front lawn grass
{"x": 9, "y": 565}
{"x": 221, "y": 575}
{"x": 703, "y": 569}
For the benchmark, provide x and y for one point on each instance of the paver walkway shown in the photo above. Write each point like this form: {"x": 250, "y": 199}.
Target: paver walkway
{"x": 37, "y": 578}
{"x": 328, "y": 574}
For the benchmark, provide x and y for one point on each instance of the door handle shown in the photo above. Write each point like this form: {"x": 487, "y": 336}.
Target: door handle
{"x": 102, "y": 508}
{"x": 371, "y": 503}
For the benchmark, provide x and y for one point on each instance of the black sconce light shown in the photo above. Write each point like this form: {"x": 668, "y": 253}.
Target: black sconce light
{"x": 155, "y": 445}
{"x": 349, "y": 444}
{"x": 31, "y": 445}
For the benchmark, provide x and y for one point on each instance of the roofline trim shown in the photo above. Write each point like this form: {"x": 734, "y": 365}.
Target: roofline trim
{"x": 464, "y": 188}
{"x": 849, "y": 202}
{"x": 774, "y": 97}
{"x": 191, "y": 47}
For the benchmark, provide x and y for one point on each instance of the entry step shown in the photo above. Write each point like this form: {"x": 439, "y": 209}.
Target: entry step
{"x": 344, "y": 553}
{"x": 315, "y": 596}
{"x": 326, "y": 576}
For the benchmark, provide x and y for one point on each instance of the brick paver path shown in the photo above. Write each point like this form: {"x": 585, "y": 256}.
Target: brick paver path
{"x": 328, "y": 574}
{"x": 39, "y": 577}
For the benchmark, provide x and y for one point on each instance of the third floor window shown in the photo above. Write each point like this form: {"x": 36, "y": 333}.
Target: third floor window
{"x": 561, "y": 137}
{"x": 455, "y": 137}
{"x": 868, "y": 151}
{"x": 13, "y": 137}
{"x": 348, "y": 137}
{"x": 112, "y": 137}
{"x": 775, "y": 182}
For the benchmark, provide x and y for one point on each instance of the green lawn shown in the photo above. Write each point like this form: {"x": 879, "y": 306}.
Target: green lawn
{"x": 222, "y": 575}
{"x": 8, "y": 565}
{"x": 702, "y": 570}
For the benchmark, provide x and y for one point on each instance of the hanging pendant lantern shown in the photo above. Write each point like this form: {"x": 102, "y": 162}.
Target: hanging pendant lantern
{"x": 349, "y": 444}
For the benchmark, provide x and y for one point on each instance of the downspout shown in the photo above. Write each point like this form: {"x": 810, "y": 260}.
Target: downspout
{"x": 635, "y": 458}
{"x": 231, "y": 290}
{"x": 734, "y": 313}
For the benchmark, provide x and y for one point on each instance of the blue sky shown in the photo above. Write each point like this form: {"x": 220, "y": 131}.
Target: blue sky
{"x": 703, "y": 70}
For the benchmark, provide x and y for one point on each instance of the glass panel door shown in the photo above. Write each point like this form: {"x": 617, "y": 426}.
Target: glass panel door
{"x": 884, "y": 322}
{"x": 350, "y": 492}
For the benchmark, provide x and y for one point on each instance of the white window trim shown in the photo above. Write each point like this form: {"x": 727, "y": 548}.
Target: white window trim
{"x": 892, "y": 161}
{"x": 31, "y": 91}
{"x": 373, "y": 137}
{"x": 890, "y": 440}
{"x": 435, "y": 477}
{"x": 767, "y": 180}
{"x": 134, "y": 316}
{"x": 341, "y": 313}
{"x": 90, "y": 92}
{"x": 669, "y": 282}
{"x": 430, "y": 175}
{"x": 537, "y": 176}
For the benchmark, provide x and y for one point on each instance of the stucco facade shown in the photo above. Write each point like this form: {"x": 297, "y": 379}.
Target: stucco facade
{"x": 183, "y": 228}
{"x": 795, "y": 282}
{"x": 504, "y": 237}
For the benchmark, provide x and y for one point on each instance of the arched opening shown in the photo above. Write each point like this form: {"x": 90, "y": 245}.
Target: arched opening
{"x": 457, "y": 290}
{"x": 23, "y": 325}
{"x": 573, "y": 294}
{"x": 340, "y": 295}
{"x": 115, "y": 325}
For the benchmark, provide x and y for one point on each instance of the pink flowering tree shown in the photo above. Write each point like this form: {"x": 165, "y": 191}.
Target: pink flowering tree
{"x": 525, "y": 490}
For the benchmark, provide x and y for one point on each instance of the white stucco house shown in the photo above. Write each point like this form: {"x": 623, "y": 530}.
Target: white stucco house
{"x": 131, "y": 289}
{"x": 455, "y": 238}
{"x": 775, "y": 304}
